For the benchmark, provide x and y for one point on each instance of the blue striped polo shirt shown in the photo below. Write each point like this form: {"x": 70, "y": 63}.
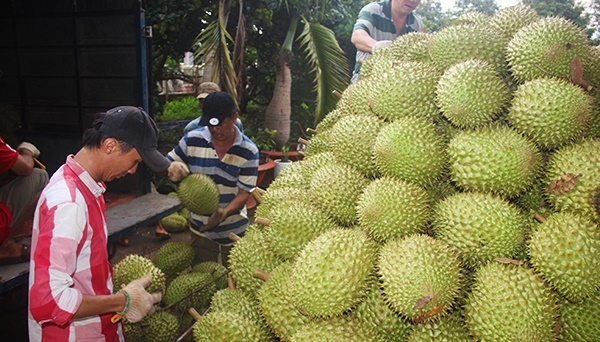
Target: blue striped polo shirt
{"x": 237, "y": 170}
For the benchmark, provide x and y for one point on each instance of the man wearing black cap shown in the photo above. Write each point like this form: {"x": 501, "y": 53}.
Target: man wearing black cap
{"x": 70, "y": 281}
{"x": 219, "y": 149}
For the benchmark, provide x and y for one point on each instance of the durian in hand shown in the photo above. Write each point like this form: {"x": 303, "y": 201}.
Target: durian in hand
{"x": 199, "y": 194}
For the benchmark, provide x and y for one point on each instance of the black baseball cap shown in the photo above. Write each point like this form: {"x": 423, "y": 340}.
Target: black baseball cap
{"x": 216, "y": 108}
{"x": 134, "y": 126}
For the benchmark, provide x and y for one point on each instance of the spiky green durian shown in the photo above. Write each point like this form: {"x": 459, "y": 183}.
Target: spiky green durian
{"x": 317, "y": 144}
{"x": 565, "y": 250}
{"x": 292, "y": 225}
{"x": 471, "y": 18}
{"x": 227, "y": 326}
{"x": 248, "y": 254}
{"x": 480, "y": 227}
{"x": 471, "y": 93}
{"x": 356, "y": 152}
{"x": 450, "y": 328}
{"x": 135, "y": 266}
{"x": 493, "y": 159}
{"x": 338, "y": 329}
{"x": 275, "y": 196}
{"x": 550, "y": 124}
{"x": 190, "y": 290}
{"x": 378, "y": 63}
{"x": 375, "y": 312}
{"x": 510, "y": 303}
{"x": 239, "y": 302}
{"x": 174, "y": 223}
{"x": 594, "y": 128}
{"x": 407, "y": 89}
{"x": 391, "y": 207}
{"x": 579, "y": 321}
{"x": 413, "y": 46}
{"x": 457, "y": 43}
{"x": 420, "y": 276}
{"x": 572, "y": 178}
{"x": 217, "y": 271}
{"x": 545, "y": 48}
{"x": 329, "y": 120}
{"x": 199, "y": 194}
{"x": 173, "y": 258}
{"x": 160, "y": 326}
{"x": 290, "y": 177}
{"x": 335, "y": 189}
{"x": 277, "y": 307}
{"x": 508, "y": 20}
{"x": 331, "y": 273}
{"x": 355, "y": 100}
{"x": 410, "y": 149}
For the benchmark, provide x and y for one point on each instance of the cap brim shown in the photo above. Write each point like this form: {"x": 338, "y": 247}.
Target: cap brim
{"x": 155, "y": 160}
{"x": 202, "y": 96}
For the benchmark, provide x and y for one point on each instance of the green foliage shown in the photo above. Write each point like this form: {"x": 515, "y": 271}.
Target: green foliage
{"x": 285, "y": 150}
{"x": 182, "y": 109}
{"x": 264, "y": 138}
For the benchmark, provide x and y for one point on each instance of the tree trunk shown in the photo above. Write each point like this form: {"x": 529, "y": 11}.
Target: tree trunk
{"x": 278, "y": 112}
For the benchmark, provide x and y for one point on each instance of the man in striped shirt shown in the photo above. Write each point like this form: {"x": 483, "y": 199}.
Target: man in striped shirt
{"x": 379, "y": 23}
{"x": 219, "y": 149}
{"x": 70, "y": 281}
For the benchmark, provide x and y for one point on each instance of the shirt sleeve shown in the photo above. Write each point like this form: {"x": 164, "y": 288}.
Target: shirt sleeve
{"x": 8, "y": 156}
{"x": 52, "y": 295}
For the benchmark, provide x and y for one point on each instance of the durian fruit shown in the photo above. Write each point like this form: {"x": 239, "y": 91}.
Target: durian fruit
{"x": 354, "y": 101}
{"x": 160, "y": 326}
{"x": 135, "y": 266}
{"x": 508, "y": 20}
{"x": 276, "y": 305}
{"x": 391, "y": 207}
{"x": 335, "y": 189}
{"x": 190, "y": 290}
{"x": 413, "y": 46}
{"x": 239, "y": 302}
{"x": 550, "y": 124}
{"x": 458, "y": 43}
{"x": 594, "y": 128}
{"x": 493, "y": 159}
{"x": 286, "y": 223}
{"x": 317, "y": 144}
{"x": 510, "y": 302}
{"x": 199, "y": 194}
{"x": 406, "y": 89}
{"x": 579, "y": 321}
{"x": 471, "y": 18}
{"x": 331, "y": 273}
{"x": 337, "y": 329}
{"x": 420, "y": 276}
{"x": 572, "y": 178}
{"x": 227, "y": 326}
{"x": 471, "y": 94}
{"x": 378, "y": 63}
{"x": 272, "y": 198}
{"x": 480, "y": 227}
{"x": 545, "y": 48}
{"x": 352, "y": 151}
{"x": 565, "y": 250}
{"x": 376, "y": 313}
{"x": 174, "y": 223}
{"x": 217, "y": 271}
{"x": 450, "y": 328}
{"x": 410, "y": 149}
{"x": 248, "y": 254}
{"x": 290, "y": 177}
{"x": 173, "y": 258}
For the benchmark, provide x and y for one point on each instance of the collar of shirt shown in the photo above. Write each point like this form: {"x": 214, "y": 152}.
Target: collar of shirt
{"x": 97, "y": 188}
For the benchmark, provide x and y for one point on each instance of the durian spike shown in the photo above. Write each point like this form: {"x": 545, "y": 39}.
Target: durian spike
{"x": 311, "y": 130}
{"x": 230, "y": 283}
{"x": 234, "y": 237}
{"x": 539, "y": 217}
{"x": 263, "y": 221}
{"x": 303, "y": 141}
{"x": 194, "y": 314}
{"x": 260, "y": 274}
{"x": 337, "y": 93}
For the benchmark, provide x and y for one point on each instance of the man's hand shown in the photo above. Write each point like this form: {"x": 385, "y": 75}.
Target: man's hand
{"x": 214, "y": 220}
{"x": 380, "y": 45}
{"x": 139, "y": 302}
{"x": 29, "y": 147}
{"x": 177, "y": 171}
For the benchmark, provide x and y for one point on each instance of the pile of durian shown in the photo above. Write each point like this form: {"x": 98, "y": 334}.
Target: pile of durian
{"x": 452, "y": 195}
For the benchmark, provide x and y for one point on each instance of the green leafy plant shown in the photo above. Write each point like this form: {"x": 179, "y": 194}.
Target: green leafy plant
{"x": 285, "y": 149}
{"x": 264, "y": 139}
{"x": 186, "y": 108}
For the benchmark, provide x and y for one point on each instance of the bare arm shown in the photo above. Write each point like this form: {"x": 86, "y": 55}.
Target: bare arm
{"x": 362, "y": 40}
{"x": 98, "y": 305}
{"x": 24, "y": 164}
{"x": 222, "y": 213}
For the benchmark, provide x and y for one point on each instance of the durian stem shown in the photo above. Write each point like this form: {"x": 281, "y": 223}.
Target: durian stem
{"x": 539, "y": 217}
{"x": 303, "y": 141}
{"x": 194, "y": 314}
{"x": 262, "y": 220}
{"x": 337, "y": 93}
{"x": 260, "y": 274}
{"x": 311, "y": 130}
{"x": 234, "y": 237}
{"x": 256, "y": 194}
{"x": 230, "y": 283}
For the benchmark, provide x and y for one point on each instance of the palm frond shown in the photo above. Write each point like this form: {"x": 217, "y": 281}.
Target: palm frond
{"x": 327, "y": 62}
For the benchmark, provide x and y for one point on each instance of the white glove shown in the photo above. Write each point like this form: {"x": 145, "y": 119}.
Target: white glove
{"x": 380, "y": 45}
{"x": 177, "y": 171}
{"x": 29, "y": 147}
{"x": 139, "y": 302}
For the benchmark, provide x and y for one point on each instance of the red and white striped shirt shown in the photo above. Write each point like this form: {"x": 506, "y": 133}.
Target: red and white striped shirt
{"x": 69, "y": 259}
